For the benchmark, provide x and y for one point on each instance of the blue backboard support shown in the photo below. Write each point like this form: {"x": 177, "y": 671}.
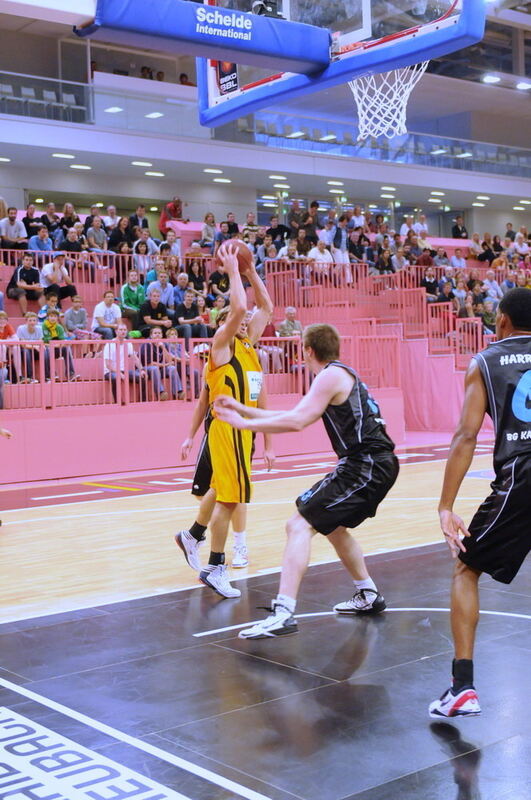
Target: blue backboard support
{"x": 434, "y": 40}
{"x": 178, "y": 26}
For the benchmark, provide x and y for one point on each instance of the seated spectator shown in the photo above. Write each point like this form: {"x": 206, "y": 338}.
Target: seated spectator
{"x": 250, "y": 225}
{"x": 467, "y": 310}
{"x": 493, "y": 288}
{"x": 172, "y": 244}
{"x": 189, "y": 322}
{"x": 181, "y": 287}
{"x": 76, "y": 324}
{"x": 6, "y": 330}
{"x": 475, "y": 249}
{"x": 291, "y": 325}
{"x": 13, "y": 235}
{"x": 51, "y": 221}
{"x": 56, "y": 280}
{"x": 132, "y": 297}
{"x": 203, "y": 311}
{"x": 153, "y": 314}
{"x": 218, "y": 304}
{"x": 457, "y": 261}
{"x": 509, "y": 282}
{"x": 116, "y": 358}
{"x": 218, "y": 284}
{"x": 233, "y": 227}
{"x": 407, "y": 227}
{"x": 32, "y": 223}
{"x": 289, "y": 251}
{"x": 166, "y": 291}
{"x": 120, "y": 233}
{"x": 139, "y": 218}
{"x": 357, "y": 248}
{"x": 172, "y": 212}
{"x": 142, "y": 261}
{"x": 497, "y": 246}
{"x": 384, "y": 245}
{"x": 487, "y": 254}
{"x": 383, "y": 230}
{"x": 320, "y": 254}
{"x": 96, "y": 236}
{"x": 461, "y": 292}
{"x": 489, "y": 317}
{"x": 208, "y": 230}
{"x": 82, "y": 239}
{"x": 478, "y": 295}
{"x": 30, "y": 331}
{"x": 111, "y": 219}
{"x": 24, "y": 283}
{"x": 448, "y": 277}
{"x": 399, "y": 261}
{"x": 277, "y": 231}
{"x": 262, "y": 250}
{"x": 72, "y": 244}
{"x": 157, "y": 362}
{"x": 446, "y": 295}
{"x": 521, "y": 248}
{"x": 172, "y": 268}
{"x": 509, "y": 232}
{"x": 395, "y": 243}
{"x": 184, "y": 80}
{"x": 459, "y": 231}
{"x": 53, "y": 331}
{"x": 41, "y": 242}
{"x": 430, "y": 283}
{"x": 473, "y": 278}
{"x": 441, "y": 259}
{"x": 157, "y": 266}
{"x": 107, "y": 316}
{"x": 68, "y": 220}
{"x": 383, "y": 265}
{"x": 521, "y": 280}
{"x": 327, "y": 233}
{"x": 145, "y": 237}
{"x": 94, "y": 212}
{"x": 52, "y": 304}
{"x": 500, "y": 262}
{"x": 179, "y": 355}
{"x": 415, "y": 249}
{"x": 425, "y": 259}
{"x": 196, "y": 278}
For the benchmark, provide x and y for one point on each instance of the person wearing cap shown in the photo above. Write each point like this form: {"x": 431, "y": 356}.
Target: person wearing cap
{"x": 55, "y": 278}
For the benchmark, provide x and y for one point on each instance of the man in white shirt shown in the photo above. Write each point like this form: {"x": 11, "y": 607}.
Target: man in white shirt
{"x": 112, "y": 219}
{"x": 421, "y": 227}
{"x": 116, "y": 358}
{"x": 320, "y": 253}
{"x": 107, "y": 316}
{"x": 399, "y": 261}
{"x": 494, "y": 291}
{"x": 173, "y": 242}
{"x": 55, "y": 274}
{"x": 13, "y": 232}
{"x": 406, "y": 227}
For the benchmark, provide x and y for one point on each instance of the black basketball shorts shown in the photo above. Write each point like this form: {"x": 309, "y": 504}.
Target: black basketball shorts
{"x": 350, "y": 494}
{"x": 203, "y": 468}
{"x": 501, "y": 527}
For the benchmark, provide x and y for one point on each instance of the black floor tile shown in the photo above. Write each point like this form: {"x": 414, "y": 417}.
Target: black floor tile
{"x": 49, "y": 619}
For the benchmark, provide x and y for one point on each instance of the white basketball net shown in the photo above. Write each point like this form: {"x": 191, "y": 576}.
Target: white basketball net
{"x": 382, "y": 98}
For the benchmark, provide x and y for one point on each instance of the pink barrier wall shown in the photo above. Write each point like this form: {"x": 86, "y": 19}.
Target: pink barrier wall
{"x": 73, "y": 442}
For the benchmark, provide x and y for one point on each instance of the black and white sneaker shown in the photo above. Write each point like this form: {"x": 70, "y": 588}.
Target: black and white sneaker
{"x": 218, "y": 579}
{"x": 364, "y": 601}
{"x": 463, "y": 704}
{"x": 279, "y": 623}
{"x": 190, "y": 548}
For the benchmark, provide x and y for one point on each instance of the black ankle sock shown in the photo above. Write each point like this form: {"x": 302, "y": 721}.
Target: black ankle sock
{"x": 198, "y": 531}
{"x": 216, "y": 558}
{"x": 463, "y": 674}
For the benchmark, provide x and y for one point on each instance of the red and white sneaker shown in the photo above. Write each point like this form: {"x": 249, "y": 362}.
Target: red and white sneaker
{"x": 463, "y": 704}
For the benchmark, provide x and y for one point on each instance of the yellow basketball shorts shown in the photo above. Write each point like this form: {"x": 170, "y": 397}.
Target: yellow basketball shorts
{"x": 230, "y": 452}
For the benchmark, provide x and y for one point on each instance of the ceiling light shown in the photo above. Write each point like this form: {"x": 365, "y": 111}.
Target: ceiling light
{"x": 433, "y": 200}
{"x": 388, "y": 188}
{"x": 282, "y": 186}
{"x": 397, "y": 204}
{"x": 322, "y": 208}
{"x": 62, "y": 155}
{"x": 491, "y": 79}
{"x": 482, "y": 197}
{"x": 372, "y": 205}
{"x": 278, "y": 177}
{"x": 439, "y": 194}
{"x": 269, "y": 197}
{"x": 479, "y": 205}
{"x": 295, "y": 135}
{"x": 153, "y": 208}
{"x": 213, "y": 170}
{"x": 438, "y": 151}
{"x": 518, "y": 208}
{"x": 447, "y": 208}
{"x": 336, "y": 191}
{"x": 269, "y": 205}
{"x": 5, "y": 159}
{"x": 113, "y": 110}
{"x": 335, "y": 183}
{"x": 524, "y": 86}
{"x": 154, "y": 174}
{"x": 328, "y": 138}
{"x": 39, "y": 200}
{"x": 79, "y": 166}
{"x": 390, "y": 196}
{"x": 222, "y": 180}
{"x": 466, "y": 154}
{"x": 525, "y": 202}
{"x": 98, "y": 205}
{"x": 141, "y": 163}
{"x": 343, "y": 199}
{"x": 154, "y": 115}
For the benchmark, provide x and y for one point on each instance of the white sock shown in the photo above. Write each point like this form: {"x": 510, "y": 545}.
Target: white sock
{"x": 287, "y": 602}
{"x": 367, "y": 583}
{"x": 240, "y": 538}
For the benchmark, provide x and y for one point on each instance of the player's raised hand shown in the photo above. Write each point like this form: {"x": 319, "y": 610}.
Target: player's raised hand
{"x": 228, "y": 254}
{"x": 185, "y": 448}
{"x": 452, "y": 527}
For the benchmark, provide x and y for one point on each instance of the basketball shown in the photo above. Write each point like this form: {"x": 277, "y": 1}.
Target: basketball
{"x": 245, "y": 257}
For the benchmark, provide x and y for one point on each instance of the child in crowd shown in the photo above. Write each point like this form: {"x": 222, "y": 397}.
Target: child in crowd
{"x": 219, "y": 303}
{"x": 77, "y": 327}
{"x": 52, "y": 331}
{"x": 52, "y": 304}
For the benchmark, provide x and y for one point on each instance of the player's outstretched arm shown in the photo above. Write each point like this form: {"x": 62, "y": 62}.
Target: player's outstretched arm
{"x": 220, "y": 352}
{"x": 264, "y": 311}
{"x": 308, "y": 410}
{"x": 460, "y": 457}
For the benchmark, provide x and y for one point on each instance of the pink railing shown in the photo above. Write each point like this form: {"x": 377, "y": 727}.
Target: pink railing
{"x": 441, "y": 327}
{"x": 468, "y": 340}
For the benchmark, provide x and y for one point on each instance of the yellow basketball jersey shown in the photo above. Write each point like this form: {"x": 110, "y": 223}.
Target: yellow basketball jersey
{"x": 241, "y": 378}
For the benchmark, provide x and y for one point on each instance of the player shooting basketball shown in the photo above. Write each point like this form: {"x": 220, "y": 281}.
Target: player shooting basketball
{"x": 233, "y": 369}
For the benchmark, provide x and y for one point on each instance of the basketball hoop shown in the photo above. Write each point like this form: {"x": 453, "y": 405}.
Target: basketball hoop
{"x": 382, "y": 98}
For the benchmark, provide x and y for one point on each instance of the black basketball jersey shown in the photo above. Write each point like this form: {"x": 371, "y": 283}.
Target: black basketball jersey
{"x": 356, "y": 427}
{"x": 506, "y": 370}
